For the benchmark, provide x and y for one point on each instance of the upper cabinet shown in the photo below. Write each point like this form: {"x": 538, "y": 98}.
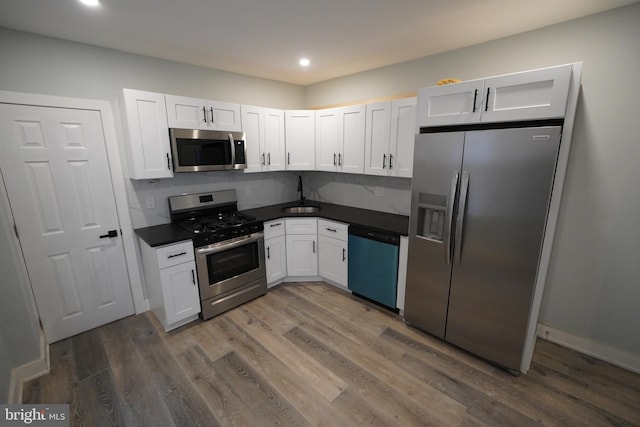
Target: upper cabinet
{"x": 300, "y": 139}
{"x": 194, "y": 113}
{"x": 530, "y": 95}
{"x": 148, "y": 147}
{"x": 264, "y": 133}
{"x": 389, "y": 135}
{"x": 340, "y": 136}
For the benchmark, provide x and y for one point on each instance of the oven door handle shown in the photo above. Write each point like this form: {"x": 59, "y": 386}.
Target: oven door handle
{"x": 223, "y": 246}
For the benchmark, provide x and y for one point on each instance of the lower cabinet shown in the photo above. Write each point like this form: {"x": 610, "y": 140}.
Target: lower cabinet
{"x": 332, "y": 251}
{"x": 302, "y": 246}
{"x": 302, "y": 255}
{"x": 275, "y": 251}
{"x": 172, "y": 283}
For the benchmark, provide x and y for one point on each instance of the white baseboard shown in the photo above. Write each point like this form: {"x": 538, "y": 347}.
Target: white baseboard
{"x": 29, "y": 371}
{"x": 589, "y": 347}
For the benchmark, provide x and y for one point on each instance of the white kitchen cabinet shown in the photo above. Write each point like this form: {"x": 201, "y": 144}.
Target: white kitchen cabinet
{"x": 172, "y": 283}
{"x": 194, "y": 113}
{"x": 332, "y": 251}
{"x": 275, "y": 251}
{"x": 300, "y": 139}
{"x": 389, "y": 135}
{"x": 148, "y": 147}
{"x": 302, "y": 247}
{"x": 530, "y": 95}
{"x": 340, "y": 136}
{"x": 264, "y": 138}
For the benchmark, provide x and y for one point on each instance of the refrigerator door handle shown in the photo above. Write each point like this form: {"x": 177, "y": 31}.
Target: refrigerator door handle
{"x": 449, "y": 220}
{"x": 464, "y": 189}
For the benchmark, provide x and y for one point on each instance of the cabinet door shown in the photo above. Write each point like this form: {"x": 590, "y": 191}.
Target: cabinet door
{"x": 300, "y": 139}
{"x": 332, "y": 259}
{"x": 180, "y": 291}
{"x": 274, "y": 142}
{"x": 275, "y": 258}
{"x": 224, "y": 116}
{"x": 302, "y": 257}
{"x": 187, "y": 113}
{"x": 378, "y": 123}
{"x": 253, "y": 128}
{"x": 451, "y": 104}
{"x": 531, "y": 95}
{"x": 327, "y": 139}
{"x": 403, "y": 132}
{"x": 351, "y": 139}
{"x": 149, "y": 150}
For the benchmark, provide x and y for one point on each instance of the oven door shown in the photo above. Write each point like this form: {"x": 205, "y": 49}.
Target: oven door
{"x": 225, "y": 266}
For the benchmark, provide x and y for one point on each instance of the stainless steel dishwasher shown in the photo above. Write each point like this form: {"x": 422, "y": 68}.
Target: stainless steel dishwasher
{"x": 373, "y": 265}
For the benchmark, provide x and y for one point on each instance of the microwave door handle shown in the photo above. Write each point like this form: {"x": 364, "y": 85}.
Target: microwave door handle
{"x": 233, "y": 150}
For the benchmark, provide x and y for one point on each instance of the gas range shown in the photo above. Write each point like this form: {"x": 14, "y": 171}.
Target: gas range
{"x": 212, "y": 217}
{"x": 228, "y": 246}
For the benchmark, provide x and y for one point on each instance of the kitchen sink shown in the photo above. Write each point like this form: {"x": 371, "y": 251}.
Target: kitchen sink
{"x": 301, "y": 209}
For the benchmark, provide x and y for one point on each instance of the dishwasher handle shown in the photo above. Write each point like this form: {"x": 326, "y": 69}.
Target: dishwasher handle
{"x": 377, "y": 235}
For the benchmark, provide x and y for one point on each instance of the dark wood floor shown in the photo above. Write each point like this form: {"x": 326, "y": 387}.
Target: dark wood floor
{"x": 310, "y": 354}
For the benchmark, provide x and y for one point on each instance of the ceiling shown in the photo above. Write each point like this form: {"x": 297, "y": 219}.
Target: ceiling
{"x": 265, "y": 38}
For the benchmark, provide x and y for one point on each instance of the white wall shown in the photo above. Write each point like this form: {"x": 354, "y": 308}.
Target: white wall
{"x": 593, "y": 286}
{"x": 19, "y": 329}
{"x": 5, "y": 371}
{"x": 43, "y": 65}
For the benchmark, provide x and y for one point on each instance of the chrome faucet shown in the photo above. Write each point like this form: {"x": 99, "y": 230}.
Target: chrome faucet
{"x": 300, "y": 189}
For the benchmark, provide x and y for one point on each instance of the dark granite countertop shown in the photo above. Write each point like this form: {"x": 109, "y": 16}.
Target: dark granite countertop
{"x": 163, "y": 234}
{"x": 375, "y": 220}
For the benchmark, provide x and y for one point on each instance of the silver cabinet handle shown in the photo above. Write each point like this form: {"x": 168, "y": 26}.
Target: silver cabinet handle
{"x": 204, "y": 113}
{"x": 314, "y": 246}
{"x": 449, "y": 218}
{"x": 268, "y": 253}
{"x": 176, "y": 255}
{"x": 193, "y": 276}
{"x": 390, "y": 161}
{"x": 277, "y": 224}
{"x": 464, "y": 189}
{"x": 288, "y": 158}
{"x": 269, "y": 159}
{"x": 339, "y": 159}
{"x": 212, "y": 121}
{"x": 263, "y": 163}
{"x": 384, "y": 161}
{"x": 333, "y": 230}
{"x": 344, "y": 254}
{"x": 168, "y": 162}
{"x": 334, "y": 159}
{"x": 486, "y": 105}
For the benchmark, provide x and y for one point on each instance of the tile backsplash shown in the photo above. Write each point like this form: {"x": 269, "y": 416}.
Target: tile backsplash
{"x": 148, "y": 198}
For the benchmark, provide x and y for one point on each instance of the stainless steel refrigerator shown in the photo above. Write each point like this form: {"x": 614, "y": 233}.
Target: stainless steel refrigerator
{"x": 478, "y": 213}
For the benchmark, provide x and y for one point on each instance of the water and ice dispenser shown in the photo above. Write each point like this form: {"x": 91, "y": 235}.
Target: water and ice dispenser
{"x": 431, "y": 216}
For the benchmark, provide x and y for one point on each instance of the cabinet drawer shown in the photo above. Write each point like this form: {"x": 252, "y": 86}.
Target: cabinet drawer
{"x": 174, "y": 254}
{"x": 337, "y": 230}
{"x": 302, "y": 226}
{"x": 274, "y": 228}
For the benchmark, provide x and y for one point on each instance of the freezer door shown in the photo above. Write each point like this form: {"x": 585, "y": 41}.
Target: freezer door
{"x": 505, "y": 189}
{"x": 436, "y": 172}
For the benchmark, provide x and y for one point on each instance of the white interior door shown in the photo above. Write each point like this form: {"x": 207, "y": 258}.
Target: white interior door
{"x": 55, "y": 167}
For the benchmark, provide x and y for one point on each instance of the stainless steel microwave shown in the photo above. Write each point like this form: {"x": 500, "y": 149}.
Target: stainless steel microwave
{"x": 207, "y": 150}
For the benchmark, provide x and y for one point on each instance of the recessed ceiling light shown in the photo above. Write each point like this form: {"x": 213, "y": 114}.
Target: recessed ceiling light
{"x": 92, "y": 3}
{"x": 304, "y": 62}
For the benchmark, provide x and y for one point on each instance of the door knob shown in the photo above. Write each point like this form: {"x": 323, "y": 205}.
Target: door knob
{"x": 110, "y": 234}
